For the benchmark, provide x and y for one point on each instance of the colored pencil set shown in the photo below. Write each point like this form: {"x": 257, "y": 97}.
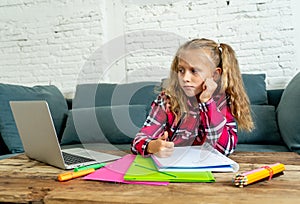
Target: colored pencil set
{"x": 244, "y": 179}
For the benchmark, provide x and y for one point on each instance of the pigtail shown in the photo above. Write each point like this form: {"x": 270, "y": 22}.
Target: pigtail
{"x": 233, "y": 85}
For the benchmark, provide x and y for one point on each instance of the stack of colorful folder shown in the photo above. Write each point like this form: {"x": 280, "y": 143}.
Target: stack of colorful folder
{"x": 255, "y": 175}
{"x": 187, "y": 164}
{"x": 134, "y": 169}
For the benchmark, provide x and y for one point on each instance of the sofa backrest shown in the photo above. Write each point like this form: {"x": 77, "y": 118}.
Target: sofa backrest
{"x": 274, "y": 96}
{"x": 255, "y": 86}
{"x": 11, "y": 92}
{"x": 105, "y": 94}
{"x": 263, "y": 109}
{"x": 143, "y": 93}
{"x": 108, "y": 113}
{"x": 137, "y": 97}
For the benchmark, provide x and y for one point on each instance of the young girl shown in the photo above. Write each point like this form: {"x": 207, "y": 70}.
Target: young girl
{"x": 201, "y": 102}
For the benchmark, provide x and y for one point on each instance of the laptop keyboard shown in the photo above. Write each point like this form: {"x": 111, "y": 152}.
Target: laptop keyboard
{"x": 75, "y": 159}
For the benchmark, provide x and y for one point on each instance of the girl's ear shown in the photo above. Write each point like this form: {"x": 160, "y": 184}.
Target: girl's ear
{"x": 217, "y": 74}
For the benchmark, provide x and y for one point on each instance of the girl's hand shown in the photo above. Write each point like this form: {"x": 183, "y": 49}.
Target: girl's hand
{"x": 160, "y": 147}
{"x": 209, "y": 87}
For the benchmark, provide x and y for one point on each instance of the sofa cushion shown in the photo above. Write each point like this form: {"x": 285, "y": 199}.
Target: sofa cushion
{"x": 106, "y": 124}
{"x": 9, "y": 92}
{"x": 104, "y": 94}
{"x": 255, "y": 86}
{"x": 288, "y": 114}
{"x": 93, "y": 95}
{"x": 265, "y": 127}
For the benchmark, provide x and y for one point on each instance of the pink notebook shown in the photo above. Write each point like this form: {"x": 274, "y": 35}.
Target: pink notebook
{"x": 115, "y": 171}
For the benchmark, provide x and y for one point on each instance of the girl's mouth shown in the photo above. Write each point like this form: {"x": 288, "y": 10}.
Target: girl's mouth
{"x": 188, "y": 87}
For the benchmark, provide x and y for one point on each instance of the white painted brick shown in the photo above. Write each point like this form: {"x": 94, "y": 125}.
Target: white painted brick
{"x": 55, "y": 43}
{"x": 277, "y": 82}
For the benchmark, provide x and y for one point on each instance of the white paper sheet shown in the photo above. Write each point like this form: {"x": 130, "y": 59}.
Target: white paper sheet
{"x": 196, "y": 158}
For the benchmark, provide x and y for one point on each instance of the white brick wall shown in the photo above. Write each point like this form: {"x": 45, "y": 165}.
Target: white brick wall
{"x": 66, "y": 42}
{"x": 44, "y": 42}
{"x": 261, "y": 32}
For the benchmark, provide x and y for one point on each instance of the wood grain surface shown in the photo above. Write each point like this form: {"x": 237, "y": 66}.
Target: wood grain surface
{"x": 23, "y": 180}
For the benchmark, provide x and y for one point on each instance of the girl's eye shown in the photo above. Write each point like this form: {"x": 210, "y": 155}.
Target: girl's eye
{"x": 180, "y": 70}
{"x": 194, "y": 71}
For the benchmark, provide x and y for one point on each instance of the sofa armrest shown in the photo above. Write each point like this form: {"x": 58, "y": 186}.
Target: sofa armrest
{"x": 274, "y": 96}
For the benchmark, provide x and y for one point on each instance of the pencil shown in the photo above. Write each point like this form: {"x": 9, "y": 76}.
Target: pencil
{"x": 70, "y": 175}
{"x": 255, "y": 175}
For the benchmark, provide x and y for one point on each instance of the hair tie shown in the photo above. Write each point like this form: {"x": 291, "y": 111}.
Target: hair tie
{"x": 219, "y": 47}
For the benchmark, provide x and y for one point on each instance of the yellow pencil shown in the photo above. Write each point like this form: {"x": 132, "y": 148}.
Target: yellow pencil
{"x": 257, "y": 174}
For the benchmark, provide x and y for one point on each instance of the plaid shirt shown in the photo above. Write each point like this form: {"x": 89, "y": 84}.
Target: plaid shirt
{"x": 209, "y": 122}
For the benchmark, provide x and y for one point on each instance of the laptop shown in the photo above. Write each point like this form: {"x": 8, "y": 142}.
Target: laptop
{"x": 37, "y": 132}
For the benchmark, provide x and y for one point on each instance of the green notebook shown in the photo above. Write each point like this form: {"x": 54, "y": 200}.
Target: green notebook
{"x": 143, "y": 169}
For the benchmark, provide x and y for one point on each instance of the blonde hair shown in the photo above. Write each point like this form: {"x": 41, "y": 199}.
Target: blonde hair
{"x": 231, "y": 83}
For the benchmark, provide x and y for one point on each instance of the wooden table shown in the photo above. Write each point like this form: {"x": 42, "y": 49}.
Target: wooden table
{"x": 27, "y": 181}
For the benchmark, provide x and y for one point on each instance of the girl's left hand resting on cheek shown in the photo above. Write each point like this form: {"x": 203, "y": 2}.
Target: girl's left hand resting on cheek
{"x": 209, "y": 87}
{"x": 160, "y": 147}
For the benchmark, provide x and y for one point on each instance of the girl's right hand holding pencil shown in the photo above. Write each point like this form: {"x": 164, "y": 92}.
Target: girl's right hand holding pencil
{"x": 160, "y": 147}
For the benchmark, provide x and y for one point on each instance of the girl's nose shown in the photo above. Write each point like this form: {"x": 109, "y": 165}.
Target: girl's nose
{"x": 187, "y": 77}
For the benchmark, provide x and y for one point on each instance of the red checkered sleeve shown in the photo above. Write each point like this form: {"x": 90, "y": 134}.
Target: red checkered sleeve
{"x": 152, "y": 128}
{"x": 218, "y": 125}
{"x": 211, "y": 122}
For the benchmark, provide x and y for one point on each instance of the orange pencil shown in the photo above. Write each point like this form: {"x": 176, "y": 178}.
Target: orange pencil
{"x": 70, "y": 175}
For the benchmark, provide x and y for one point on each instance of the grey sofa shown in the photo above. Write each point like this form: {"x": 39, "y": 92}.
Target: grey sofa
{"x": 107, "y": 116}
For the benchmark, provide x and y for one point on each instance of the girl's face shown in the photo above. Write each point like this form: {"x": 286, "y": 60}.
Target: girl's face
{"x": 194, "y": 67}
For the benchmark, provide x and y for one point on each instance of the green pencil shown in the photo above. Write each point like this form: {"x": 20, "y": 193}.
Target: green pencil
{"x": 93, "y": 166}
